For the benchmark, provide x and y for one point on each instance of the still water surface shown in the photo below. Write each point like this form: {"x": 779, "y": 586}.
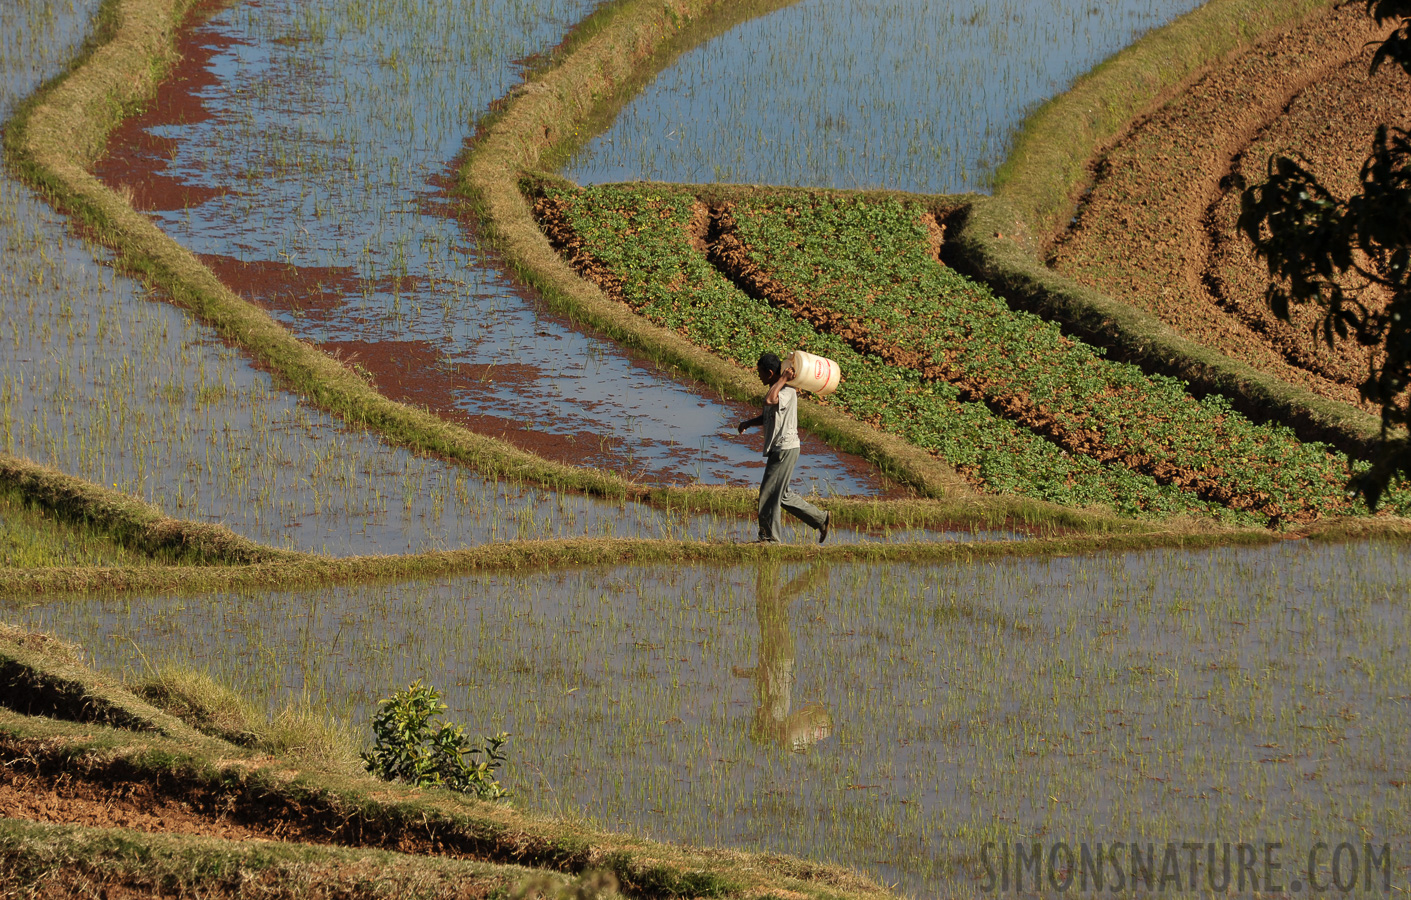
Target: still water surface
{"x": 903, "y": 94}
{"x": 890, "y": 717}
{"x": 306, "y": 153}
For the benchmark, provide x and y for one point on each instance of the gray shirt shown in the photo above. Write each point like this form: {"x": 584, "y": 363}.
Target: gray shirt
{"x": 781, "y": 422}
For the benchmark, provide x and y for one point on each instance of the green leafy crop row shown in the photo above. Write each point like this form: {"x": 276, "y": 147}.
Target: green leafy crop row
{"x": 641, "y": 238}
{"x": 870, "y": 262}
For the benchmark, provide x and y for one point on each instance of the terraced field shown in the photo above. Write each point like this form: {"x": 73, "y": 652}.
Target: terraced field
{"x": 884, "y": 716}
{"x": 1158, "y": 229}
{"x": 302, "y": 150}
{"x": 1097, "y": 580}
{"x": 928, "y": 354}
{"x": 101, "y": 380}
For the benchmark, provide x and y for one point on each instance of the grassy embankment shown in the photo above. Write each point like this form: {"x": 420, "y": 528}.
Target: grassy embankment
{"x": 50, "y": 516}
{"x": 133, "y": 547}
{"x": 57, "y": 134}
{"x": 207, "y": 816}
{"x": 1003, "y": 239}
{"x": 31, "y": 537}
{"x": 142, "y": 550}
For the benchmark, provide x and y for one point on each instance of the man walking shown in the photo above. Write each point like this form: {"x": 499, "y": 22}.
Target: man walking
{"x": 781, "y": 452}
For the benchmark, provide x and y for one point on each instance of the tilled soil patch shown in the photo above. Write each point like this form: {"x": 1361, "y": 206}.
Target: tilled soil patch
{"x": 1157, "y": 229}
{"x": 42, "y": 787}
{"x": 1330, "y": 126}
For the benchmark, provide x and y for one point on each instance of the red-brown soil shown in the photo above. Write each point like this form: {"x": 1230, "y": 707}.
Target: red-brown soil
{"x": 308, "y": 882}
{"x": 135, "y": 806}
{"x": 301, "y": 290}
{"x": 1158, "y": 229}
{"x": 171, "y": 805}
{"x": 135, "y": 159}
{"x": 44, "y": 788}
{"x": 414, "y": 372}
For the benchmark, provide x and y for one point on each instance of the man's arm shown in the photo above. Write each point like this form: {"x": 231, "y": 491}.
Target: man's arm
{"x": 772, "y": 398}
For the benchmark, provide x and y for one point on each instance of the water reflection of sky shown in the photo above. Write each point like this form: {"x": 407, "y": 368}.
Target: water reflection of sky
{"x": 885, "y": 716}
{"x": 334, "y": 125}
{"x": 903, "y": 94}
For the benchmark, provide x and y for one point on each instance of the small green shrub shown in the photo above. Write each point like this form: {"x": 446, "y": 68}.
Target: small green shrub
{"x": 407, "y": 748}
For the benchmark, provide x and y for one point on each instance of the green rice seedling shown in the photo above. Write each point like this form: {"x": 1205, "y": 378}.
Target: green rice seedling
{"x": 31, "y": 537}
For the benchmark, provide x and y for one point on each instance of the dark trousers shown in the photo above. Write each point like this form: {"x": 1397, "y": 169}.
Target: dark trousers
{"x": 774, "y": 493}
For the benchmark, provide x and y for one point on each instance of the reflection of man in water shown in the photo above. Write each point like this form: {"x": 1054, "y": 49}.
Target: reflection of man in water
{"x": 774, "y": 676}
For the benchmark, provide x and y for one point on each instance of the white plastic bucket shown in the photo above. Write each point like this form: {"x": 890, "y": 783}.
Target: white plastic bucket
{"x": 818, "y": 374}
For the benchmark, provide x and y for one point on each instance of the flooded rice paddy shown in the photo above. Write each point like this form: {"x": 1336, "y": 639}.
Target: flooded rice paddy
{"x": 900, "y": 94}
{"x": 101, "y": 381}
{"x": 304, "y": 149}
{"x": 891, "y": 717}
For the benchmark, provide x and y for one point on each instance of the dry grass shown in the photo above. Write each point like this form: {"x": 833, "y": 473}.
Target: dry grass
{"x": 582, "y": 552}
{"x": 200, "y": 701}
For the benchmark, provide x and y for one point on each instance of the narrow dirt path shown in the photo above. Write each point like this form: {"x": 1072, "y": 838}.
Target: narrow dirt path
{"x": 1157, "y": 229}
